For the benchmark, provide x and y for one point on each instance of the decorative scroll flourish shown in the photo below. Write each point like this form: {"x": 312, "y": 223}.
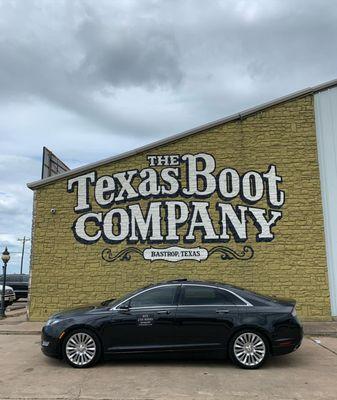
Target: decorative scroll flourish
{"x": 174, "y": 254}
{"x": 123, "y": 255}
{"x": 229, "y": 254}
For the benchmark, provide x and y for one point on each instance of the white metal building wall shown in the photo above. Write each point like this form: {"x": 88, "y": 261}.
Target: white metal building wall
{"x": 326, "y": 131}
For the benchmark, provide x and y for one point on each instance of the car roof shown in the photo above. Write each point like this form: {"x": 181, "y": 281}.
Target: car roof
{"x": 16, "y": 278}
{"x": 192, "y": 281}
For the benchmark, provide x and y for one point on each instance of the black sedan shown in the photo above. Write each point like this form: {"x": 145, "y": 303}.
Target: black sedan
{"x": 176, "y": 316}
{"x": 19, "y": 283}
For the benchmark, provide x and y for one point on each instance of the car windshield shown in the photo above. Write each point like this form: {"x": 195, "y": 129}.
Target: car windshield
{"x": 114, "y": 302}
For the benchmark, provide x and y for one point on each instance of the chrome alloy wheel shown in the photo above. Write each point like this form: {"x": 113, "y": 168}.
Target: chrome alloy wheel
{"x": 80, "y": 348}
{"x": 249, "y": 349}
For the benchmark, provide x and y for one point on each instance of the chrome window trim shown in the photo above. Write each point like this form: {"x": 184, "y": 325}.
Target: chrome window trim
{"x": 152, "y": 307}
{"x": 186, "y": 305}
{"x": 212, "y": 305}
{"x": 247, "y": 303}
{"x": 143, "y": 291}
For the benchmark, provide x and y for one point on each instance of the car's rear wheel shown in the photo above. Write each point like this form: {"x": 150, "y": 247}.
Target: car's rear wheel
{"x": 81, "y": 348}
{"x": 248, "y": 349}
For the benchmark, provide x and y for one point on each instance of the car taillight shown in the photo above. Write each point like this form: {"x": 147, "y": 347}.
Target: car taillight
{"x": 293, "y": 312}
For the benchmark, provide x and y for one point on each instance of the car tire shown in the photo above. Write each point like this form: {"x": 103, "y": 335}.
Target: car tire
{"x": 81, "y": 348}
{"x": 248, "y": 349}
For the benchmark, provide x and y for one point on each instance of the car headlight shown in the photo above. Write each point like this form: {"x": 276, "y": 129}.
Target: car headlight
{"x": 8, "y": 291}
{"x": 52, "y": 321}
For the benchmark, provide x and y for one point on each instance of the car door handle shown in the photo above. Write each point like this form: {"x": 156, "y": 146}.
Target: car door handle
{"x": 222, "y": 311}
{"x": 163, "y": 312}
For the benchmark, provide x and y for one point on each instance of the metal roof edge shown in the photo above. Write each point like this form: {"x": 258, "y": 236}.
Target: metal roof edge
{"x": 172, "y": 138}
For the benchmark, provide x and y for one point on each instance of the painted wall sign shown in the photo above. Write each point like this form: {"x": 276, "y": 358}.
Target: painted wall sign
{"x": 178, "y": 189}
{"x": 174, "y": 254}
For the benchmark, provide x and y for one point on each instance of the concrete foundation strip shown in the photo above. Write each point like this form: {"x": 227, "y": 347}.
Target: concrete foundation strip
{"x": 20, "y": 332}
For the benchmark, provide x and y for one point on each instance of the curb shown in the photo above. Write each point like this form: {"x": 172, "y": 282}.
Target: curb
{"x": 16, "y": 314}
{"x": 325, "y": 334}
{"x": 20, "y": 332}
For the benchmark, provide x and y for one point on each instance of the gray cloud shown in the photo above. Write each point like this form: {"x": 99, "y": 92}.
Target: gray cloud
{"x": 79, "y": 63}
{"x": 16, "y": 205}
{"x": 207, "y": 59}
{"x": 117, "y": 56}
{"x": 91, "y": 79}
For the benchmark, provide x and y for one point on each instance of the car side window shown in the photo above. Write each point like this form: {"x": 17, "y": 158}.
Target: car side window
{"x": 231, "y": 298}
{"x": 204, "y": 295}
{"x": 161, "y": 296}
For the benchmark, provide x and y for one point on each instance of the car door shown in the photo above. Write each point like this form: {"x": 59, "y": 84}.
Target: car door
{"x": 205, "y": 316}
{"x": 144, "y": 321}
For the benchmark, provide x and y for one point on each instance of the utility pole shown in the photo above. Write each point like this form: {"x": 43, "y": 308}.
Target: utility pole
{"x": 23, "y": 240}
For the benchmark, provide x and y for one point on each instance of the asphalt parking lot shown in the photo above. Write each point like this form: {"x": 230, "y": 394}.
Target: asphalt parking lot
{"x": 309, "y": 373}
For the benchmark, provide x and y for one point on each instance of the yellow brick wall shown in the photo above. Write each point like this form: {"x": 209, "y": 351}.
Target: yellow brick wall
{"x": 66, "y": 273}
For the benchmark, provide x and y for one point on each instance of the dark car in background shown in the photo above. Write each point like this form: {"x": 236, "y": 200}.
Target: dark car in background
{"x": 19, "y": 282}
{"x": 176, "y": 316}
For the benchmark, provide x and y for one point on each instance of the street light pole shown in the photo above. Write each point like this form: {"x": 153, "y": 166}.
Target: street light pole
{"x": 5, "y": 258}
{"x": 24, "y": 240}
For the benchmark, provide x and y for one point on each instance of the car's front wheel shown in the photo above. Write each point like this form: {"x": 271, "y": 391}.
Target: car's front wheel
{"x": 248, "y": 349}
{"x": 81, "y": 348}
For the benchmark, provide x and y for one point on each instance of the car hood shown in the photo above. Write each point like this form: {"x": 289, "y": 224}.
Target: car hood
{"x": 83, "y": 310}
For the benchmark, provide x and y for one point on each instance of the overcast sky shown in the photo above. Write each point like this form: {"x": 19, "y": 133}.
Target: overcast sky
{"x": 90, "y": 79}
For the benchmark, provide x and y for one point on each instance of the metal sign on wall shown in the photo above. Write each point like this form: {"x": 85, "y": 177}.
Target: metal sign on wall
{"x": 52, "y": 165}
{"x": 177, "y": 191}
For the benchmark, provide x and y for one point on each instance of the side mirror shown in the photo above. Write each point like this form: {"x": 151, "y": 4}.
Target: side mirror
{"x": 124, "y": 307}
